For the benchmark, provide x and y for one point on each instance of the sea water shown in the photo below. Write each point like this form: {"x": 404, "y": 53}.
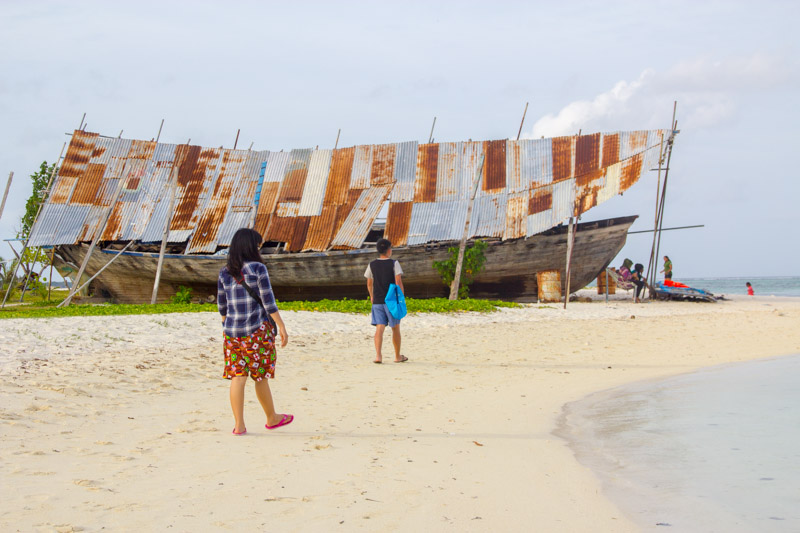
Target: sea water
{"x": 763, "y": 286}
{"x": 714, "y": 450}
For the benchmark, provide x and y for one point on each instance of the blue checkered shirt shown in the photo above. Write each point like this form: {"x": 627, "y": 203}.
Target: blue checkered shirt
{"x": 242, "y": 313}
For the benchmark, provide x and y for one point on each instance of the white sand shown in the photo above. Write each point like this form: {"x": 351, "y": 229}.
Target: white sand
{"x": 123, "y": 423}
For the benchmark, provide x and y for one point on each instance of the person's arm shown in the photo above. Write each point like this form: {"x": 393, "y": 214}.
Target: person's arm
{"x": 398, "y": 276}
{"x": 268, "y": 299}
{"x": 222, "y": 299}
{"x": 370, "y": 283}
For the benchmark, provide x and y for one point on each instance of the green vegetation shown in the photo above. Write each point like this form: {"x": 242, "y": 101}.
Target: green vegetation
{"x": 432, "y": 305}
{"x": 182, "y": 296}
{"x": 474, "y": 260}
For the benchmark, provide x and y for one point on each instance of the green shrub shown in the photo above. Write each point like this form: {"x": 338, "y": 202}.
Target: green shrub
{"x": 183, "y": 296}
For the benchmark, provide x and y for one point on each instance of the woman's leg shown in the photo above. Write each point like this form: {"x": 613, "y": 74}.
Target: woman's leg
{"x": 265, "y": 398}
{"x": 237, "y": 402}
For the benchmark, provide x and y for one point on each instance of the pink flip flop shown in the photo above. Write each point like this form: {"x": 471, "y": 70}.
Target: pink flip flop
{"x": 242, "y": 433}
{"x": 285, "y": 421}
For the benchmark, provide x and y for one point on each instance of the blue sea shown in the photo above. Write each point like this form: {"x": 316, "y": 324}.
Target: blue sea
{"x": 714, "y": 450}
{"x": 763, "y": 286}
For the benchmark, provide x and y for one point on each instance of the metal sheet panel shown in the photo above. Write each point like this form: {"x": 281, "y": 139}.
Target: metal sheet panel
{"x": 276, "y": 166}
{"x": 563, "y": 201}
{"x": 516, "y": 216}
{"x": 398, "y": 220}
{"x": 317, "y": 181}
{"x": 405, "y": 172}
{"x": 448, "y": 182}
{"x": 427, "y": 171}
{"x": 563, "y": 157}
{"x": 296, "y": 173}
{"x": 358, "y": 222}
{"x": 320, "y": 229}
{"x": 362, "y": 167}
{"x": 494, "y": 169}
{"x": 489, "y": 215}
{"x": 471, "y": 153}
{"x": 339, "y": 178}
{"x": 383, "y": 161}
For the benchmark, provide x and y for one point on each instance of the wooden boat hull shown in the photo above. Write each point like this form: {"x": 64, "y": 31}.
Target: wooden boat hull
{"x": 510, "y": 270}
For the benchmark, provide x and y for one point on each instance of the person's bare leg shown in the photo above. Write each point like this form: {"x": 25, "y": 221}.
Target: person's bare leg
{"x": 396, "y": 341}
{"x": 265, "y": 398}
{"x": 237, "y": 402}
{"x": 379, "y": 329}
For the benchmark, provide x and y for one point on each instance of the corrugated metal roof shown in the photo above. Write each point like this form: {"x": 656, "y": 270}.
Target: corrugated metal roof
{"x": 318, "y": 199}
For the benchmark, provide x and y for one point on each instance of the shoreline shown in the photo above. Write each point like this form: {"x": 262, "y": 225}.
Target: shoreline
{"x": 460, "y": 437}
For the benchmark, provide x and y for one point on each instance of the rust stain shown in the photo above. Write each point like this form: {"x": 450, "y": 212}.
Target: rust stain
{"x": 344, "y": 210}
{"x": 610, "y": 149}
{"x": 142, "y": 150}
{"x": 78, "y": 155}
{"x": 587, "y": 154}
{"x": 280, "y": 229}
{"x": 266, "y": 205}
{"x": 191, "y": 175}
{"x": 89, "y": 185}
{"x": 113, "y": 224}
{"x": 631, "y": 170}
{"x": 587, "y": 178}
{"x": 298, "y": 237}
{"x": 320, "y": 229}
{"x": 382, "y": 171}
{"x": 540, "y": 200}
{"x": 207, "y": 228}
{"x": 427, "y": 168}
{"x": 62, "y": 189}
{"x": 398, "y": 220}
{"x": 637, "y": 141}
{"x": 295, "y": 178}
{"x": 339, "y": 176}
{"x": 494, "y": 170}
{"x": 516, "y": 214}
{"x": 562, "y": 158}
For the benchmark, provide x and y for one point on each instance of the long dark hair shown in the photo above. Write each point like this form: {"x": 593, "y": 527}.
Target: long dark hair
{"x": 244, "y": 247}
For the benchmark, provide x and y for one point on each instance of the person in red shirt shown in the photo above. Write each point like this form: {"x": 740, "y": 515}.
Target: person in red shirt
{"x": 750, "y": 289}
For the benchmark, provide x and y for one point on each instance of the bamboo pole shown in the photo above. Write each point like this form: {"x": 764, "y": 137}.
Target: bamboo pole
{"x": 461, "y": 247}
{"x": 28, "y": 274}
{"x": 99, "y": 271}
{"x": 430, "y": 137}
{"x": 335, "y": 146}
{"x": 35, "y": 219}
{"x": 236, "y": 142}
{"x": 159, "y": 131}
{"x": 570, "y": 243}
{"x": 165, "y": 234}
{"x": 50, "y": 276}
{"x": 523, "y": 120}
{"x": 658, "y": 205}
{"x": 100, "y": 230}
{"x": 5, "y": 195}
{"x": 80, "y": 128}
{"x": 664, "y": 193}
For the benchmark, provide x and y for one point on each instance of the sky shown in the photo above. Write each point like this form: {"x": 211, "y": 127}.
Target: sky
{"x": 291, "y": 74}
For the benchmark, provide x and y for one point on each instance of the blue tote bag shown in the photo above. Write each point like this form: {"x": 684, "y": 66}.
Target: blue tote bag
{"x": 396, "y": 302}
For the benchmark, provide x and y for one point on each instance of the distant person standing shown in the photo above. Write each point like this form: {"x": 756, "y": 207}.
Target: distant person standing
{"x": 667, "y": 268}
{"x": 637, "y": 277}
{"x": 250, "y": 321}
{"x": 750, "y": 291}
{"x": 381, "y": 273}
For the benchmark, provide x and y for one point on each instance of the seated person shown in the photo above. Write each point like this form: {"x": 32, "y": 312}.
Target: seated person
{"x": 638, "y": 279}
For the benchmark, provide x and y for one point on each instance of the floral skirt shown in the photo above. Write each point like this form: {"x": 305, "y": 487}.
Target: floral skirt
{"x": 254, "y": 355}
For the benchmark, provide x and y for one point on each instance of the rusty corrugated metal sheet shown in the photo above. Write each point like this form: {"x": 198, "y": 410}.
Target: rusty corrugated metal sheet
{"x": 427, "y": 170}
{"x": 317, "y": 181}
{"x": 315, "y": 199}
{"x": 358, "y": 222}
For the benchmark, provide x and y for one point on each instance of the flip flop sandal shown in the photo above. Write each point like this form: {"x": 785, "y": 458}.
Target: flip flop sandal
{"x": 285, "y": 421}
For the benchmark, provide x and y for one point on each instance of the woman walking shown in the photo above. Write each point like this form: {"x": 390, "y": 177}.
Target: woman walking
{"x": 250, "y": 322}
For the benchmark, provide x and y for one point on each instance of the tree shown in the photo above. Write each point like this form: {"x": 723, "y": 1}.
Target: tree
{"x": 38, "y": 195}
{"x": 474, "y": 259}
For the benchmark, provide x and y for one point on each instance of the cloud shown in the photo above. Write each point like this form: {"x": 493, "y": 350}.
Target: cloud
{"x": 707, "y": 92}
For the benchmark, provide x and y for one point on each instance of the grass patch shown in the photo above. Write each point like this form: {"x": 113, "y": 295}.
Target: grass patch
{"x": 431, "y": 305}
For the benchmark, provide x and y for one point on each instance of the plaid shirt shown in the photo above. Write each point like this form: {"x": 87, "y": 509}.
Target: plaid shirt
{"x": 242, "y": 313}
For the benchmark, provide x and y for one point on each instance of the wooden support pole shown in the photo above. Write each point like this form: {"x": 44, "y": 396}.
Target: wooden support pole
{"x": 462, "y": 246}
{"x": 159, "y": 131}
{"x": 100, "y": 230}
{"x": 570, "y": 243}
{"x": 335, "y": 146}
{"x": 165, "y": 233}
{"x": 236, "y": 142}
{"x": 5, "y": 194}
{"x": 658, "y": 206}
{"x": 82, "y": 119}
{"x": 28, "y": 274}
{"x": 35, "y": 219}
{"x": 430, "y": 137}
{"x": 523, "y": 120}
{"x": 50, "y": 277}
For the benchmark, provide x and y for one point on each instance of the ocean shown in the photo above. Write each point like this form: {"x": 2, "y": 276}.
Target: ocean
{"x": 714, "y": 450}
{"x": 763, "y": 286}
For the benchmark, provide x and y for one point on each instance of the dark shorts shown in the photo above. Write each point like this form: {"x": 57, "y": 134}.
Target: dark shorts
{"x": 254, "y": 355}
{"x": 381, "y": 316}
{"x": 668, "y": 275}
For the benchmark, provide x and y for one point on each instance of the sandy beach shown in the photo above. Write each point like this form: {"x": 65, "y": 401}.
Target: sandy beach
{"x": 123, "y": 423}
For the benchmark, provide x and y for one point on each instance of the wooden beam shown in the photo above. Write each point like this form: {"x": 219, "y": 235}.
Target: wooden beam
{"x": 462, "y": 246}
{"x": 165, "y": 234}
{"x": 5, "y": 195}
